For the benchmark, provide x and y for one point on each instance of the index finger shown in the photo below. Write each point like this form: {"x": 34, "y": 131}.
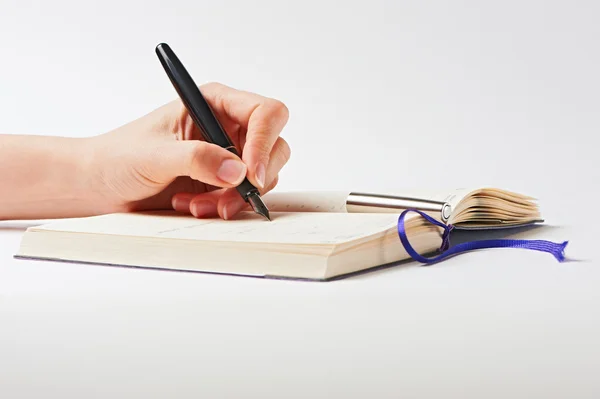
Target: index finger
{"x": 263, "y": 119}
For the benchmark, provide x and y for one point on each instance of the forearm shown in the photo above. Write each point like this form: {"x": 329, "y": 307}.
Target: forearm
{"x": 43, "y": 177}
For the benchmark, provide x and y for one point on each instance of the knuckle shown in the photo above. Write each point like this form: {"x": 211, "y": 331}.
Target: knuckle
{"x": 278, "y": 108}
{"x": 216, "y": 93}
{"x": 212, "y": 86}
{"x": 283, "y": 150}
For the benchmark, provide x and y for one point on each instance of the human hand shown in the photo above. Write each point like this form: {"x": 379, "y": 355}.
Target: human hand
{"x": 161, "y": 161}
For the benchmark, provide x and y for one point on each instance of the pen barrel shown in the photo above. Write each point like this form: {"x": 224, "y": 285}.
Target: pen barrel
{"x": 209, "y": 125}
{"x": 192, "y": 98}
{"x": 245, "y": 189}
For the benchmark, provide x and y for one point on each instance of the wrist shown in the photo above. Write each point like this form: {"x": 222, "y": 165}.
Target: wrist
{"x": 83, "y": 188}
{"x": 95, "y": 170}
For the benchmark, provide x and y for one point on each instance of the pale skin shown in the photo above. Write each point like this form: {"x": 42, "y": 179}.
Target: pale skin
{"x": 158, "y": 161}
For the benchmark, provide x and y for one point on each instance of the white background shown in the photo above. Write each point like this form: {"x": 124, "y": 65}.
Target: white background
{"x": 392, "y": 94}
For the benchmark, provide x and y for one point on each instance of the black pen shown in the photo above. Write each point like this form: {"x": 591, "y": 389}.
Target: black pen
{"x": 205, "y": 119}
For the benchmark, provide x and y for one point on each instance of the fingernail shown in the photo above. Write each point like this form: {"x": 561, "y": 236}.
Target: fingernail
{"x": 232, "y": 207}
{"x": 181, "y": 203}
{"x": 231, "y": 171}
{"x": 202, "y": 208}
{"x": 260, "y": 175}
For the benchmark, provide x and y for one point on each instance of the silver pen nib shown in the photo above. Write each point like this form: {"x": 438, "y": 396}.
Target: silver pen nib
{"x": 258, "y": 205}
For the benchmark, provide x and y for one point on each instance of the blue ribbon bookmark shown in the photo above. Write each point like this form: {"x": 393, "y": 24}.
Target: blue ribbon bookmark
{"x": 556, "y": 249}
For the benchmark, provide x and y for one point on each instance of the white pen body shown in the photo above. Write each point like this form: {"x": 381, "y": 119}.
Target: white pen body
{"x": 352, "y": 202}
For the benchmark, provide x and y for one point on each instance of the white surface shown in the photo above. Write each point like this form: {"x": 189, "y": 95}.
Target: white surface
{"x": 504, "y": 92}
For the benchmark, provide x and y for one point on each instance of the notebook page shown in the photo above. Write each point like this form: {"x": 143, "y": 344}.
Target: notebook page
{"x": 285, "y": 228}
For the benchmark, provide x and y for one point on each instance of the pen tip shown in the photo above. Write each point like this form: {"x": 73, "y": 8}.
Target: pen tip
{"x": 259, "y": 206}
{"x": 264, "y": 213}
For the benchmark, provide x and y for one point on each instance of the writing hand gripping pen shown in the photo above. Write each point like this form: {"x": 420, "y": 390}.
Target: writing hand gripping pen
{"x": 205, "y": 119}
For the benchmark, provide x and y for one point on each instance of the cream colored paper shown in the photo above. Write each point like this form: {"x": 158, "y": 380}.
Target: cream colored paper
{"x": 289, "y": 228}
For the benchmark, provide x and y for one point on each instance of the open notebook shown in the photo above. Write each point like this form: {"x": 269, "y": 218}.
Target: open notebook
{"x": 312, "y": 235}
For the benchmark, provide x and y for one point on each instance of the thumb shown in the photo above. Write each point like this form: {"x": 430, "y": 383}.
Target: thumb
{"x": 201, "y": 161}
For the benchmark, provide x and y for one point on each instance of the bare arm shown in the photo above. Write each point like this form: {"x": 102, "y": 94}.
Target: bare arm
{"x": 43, "y": 177}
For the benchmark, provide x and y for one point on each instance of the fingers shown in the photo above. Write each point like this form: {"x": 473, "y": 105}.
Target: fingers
{"x": 227, "y": 203}
{"x": 200, "y": 205}
{"x": 263, "y": 119}
{"x": 279, "y": 157}
{"x": 224, "y": 203}
{"x": 231, "y": 203}
{"x": 264, "y": 127}
{"x": 199, "y": 160}
{"x": 272, "y": 185}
